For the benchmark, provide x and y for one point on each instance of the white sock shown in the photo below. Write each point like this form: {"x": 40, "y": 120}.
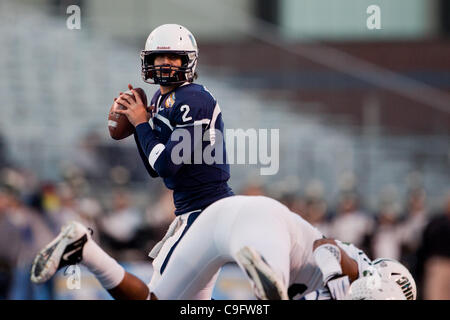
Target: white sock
{"x": 107, "y": 270}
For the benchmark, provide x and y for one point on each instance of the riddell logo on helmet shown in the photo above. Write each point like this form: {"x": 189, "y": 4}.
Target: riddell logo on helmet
{"x": 162, "y": 47}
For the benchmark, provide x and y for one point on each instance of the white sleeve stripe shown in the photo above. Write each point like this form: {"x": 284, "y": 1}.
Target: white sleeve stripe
{"x": 195, "y": 123}
{"x": 212, "y": 133}
{"x": 164, "y": 120}
{"x": 155, "y": 153}
{"x": 215, "y": 115}
{"x": 203, "y": 121}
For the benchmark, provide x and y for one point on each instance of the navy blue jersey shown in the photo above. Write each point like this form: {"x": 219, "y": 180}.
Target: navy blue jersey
{"x": 189, "y": 111}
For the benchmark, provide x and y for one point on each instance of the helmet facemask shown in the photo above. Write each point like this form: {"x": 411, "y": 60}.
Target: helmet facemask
{"x": 167, "y": 75}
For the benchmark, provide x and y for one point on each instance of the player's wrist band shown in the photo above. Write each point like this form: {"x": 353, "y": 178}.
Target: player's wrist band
{"x": 328, "y": 259}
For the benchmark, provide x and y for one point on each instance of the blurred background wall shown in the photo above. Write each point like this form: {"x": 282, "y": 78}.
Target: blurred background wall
{"x": 364, "y": 120}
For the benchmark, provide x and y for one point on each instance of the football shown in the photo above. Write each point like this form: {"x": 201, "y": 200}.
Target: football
{"x": 118, "y": 124}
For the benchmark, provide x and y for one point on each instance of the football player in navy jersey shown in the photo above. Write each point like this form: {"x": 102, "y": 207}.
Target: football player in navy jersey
{"x": 170, "y": 59}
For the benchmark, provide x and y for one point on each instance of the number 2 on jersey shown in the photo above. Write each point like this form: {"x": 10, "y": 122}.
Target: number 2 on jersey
{"x": 186, "y": 110}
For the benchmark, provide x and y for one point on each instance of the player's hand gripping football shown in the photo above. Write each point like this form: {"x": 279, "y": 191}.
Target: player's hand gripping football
{"x": 135, "y": 111}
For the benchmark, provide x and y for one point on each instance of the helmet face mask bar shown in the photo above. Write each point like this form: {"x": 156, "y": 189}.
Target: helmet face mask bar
{"x": 166, "y": 74}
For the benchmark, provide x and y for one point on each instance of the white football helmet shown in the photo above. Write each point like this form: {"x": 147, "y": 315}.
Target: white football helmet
{"x": 374, "y": 287}
{"x": 393, "y": 270}
{"x": 174, "y": 39}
